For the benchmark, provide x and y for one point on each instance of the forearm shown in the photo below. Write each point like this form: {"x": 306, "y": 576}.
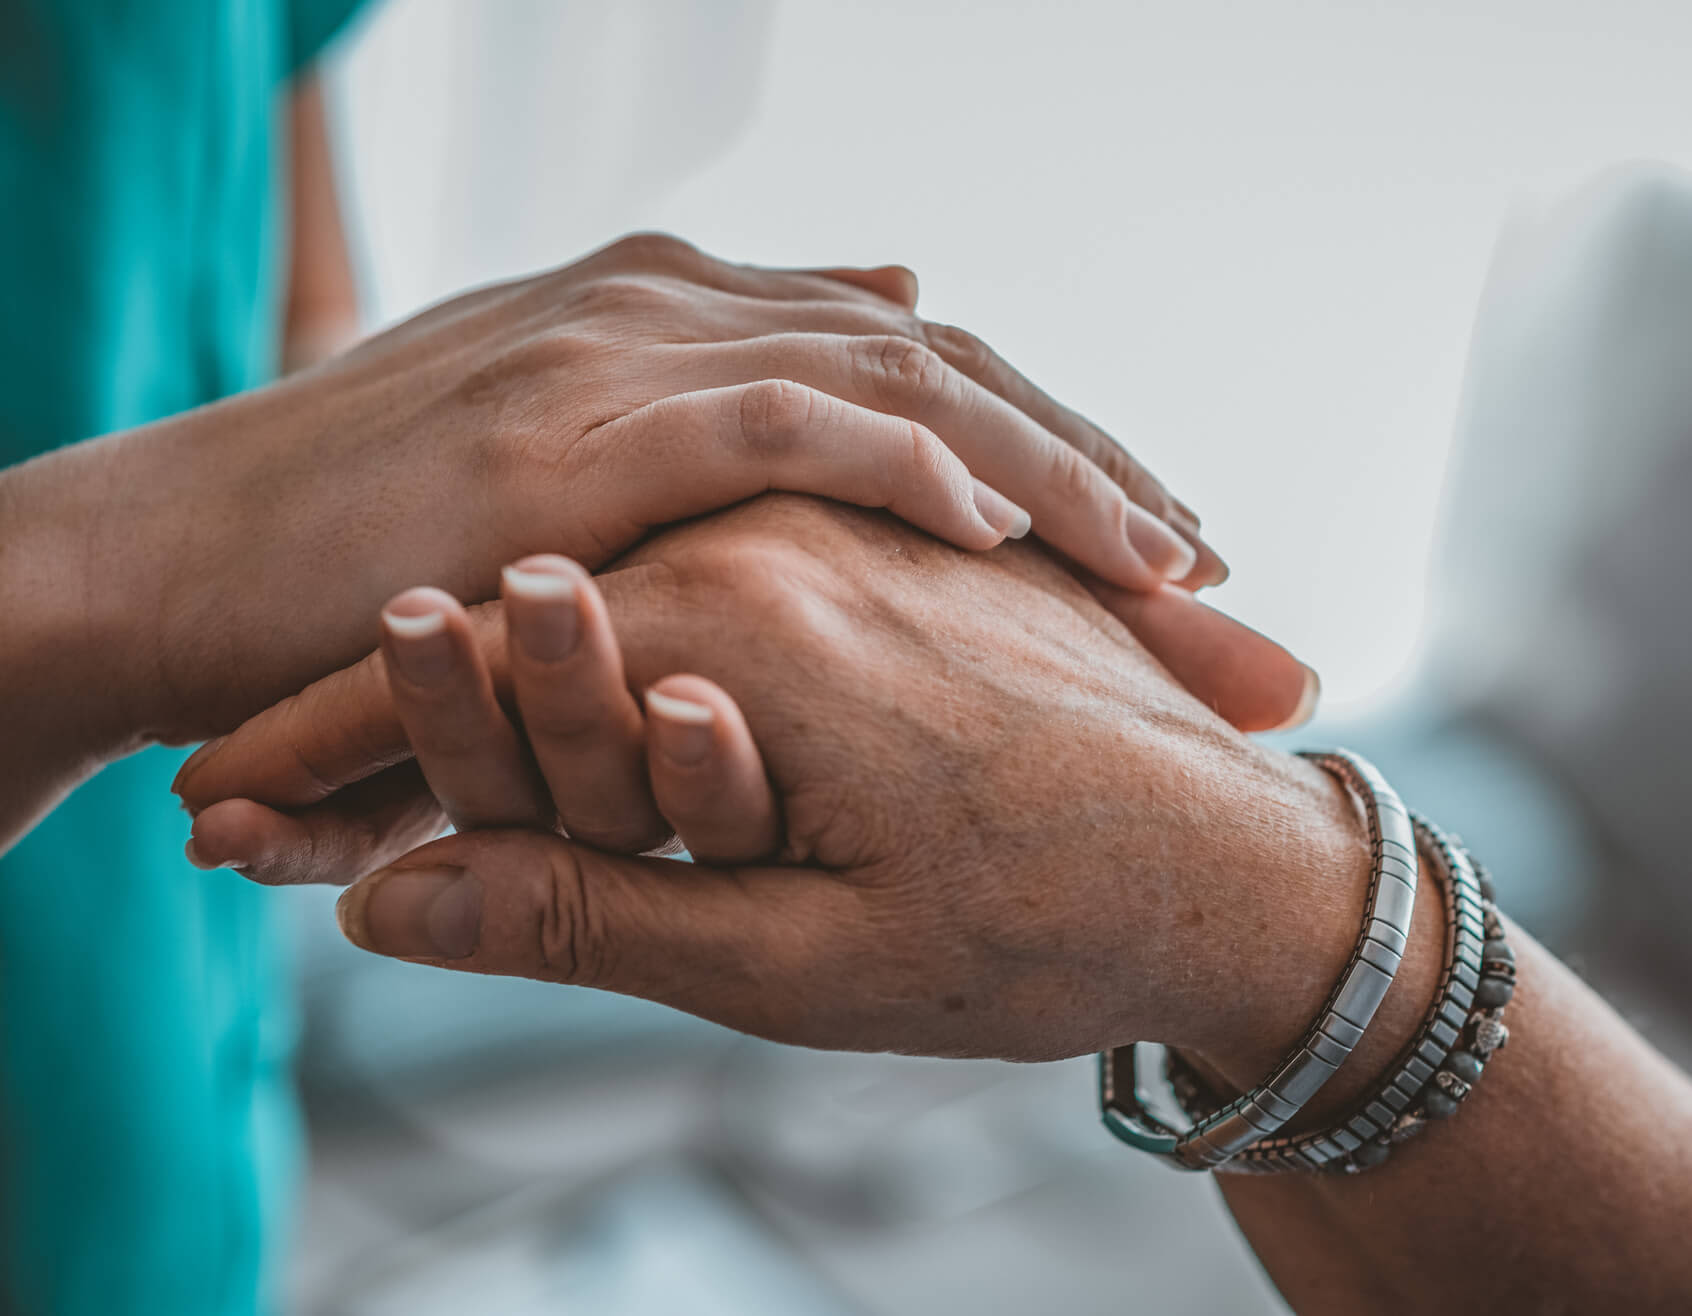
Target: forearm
{"x": 1564, "y": 1183}
{"x": 66, "y": 665}
{"x": 127, "y": 586}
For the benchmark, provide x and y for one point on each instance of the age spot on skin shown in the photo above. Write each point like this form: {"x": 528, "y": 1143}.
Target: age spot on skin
{"x": 954, "y": 1003}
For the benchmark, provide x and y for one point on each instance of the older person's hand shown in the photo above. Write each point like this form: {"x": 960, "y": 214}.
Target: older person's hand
{"x": 164, "y": 584}
{"x": 1005, "y": 830}
{"x": 1007, "y": 833}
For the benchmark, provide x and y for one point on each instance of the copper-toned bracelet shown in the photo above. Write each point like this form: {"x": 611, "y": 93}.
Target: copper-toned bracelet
{"x": 1433, "y": 1074}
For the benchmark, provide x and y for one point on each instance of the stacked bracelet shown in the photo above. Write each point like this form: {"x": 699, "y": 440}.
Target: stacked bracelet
{"x": 1428, "y": 1080}
{"x": 1436, "y": 1071}
{"x": 1224, "y": 1133}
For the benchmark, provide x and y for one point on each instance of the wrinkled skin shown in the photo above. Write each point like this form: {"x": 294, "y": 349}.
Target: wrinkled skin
{"x": 1007, "y": 831}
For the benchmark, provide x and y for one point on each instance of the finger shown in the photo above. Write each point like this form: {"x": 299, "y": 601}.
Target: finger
{"x": 584, "y": 727}
{"x": 893, "y": 283}
{"x": 812, "y": 300}
{"x": 753, "y": 318}
{"x": 975, "y": 359}
{"x": 694, "y": 452}
{"x": 344, "y": 728}
{"x": 1209, "y": 568}
{"x": 890, "y": 286}
{"x": 671, "y": 257}
{"x": 339, "y": 730}
{"x": 1248, "y": 679}
{"x": 470, "y": 754}
{"x": 757, "y": 949}
{"x": 364, "y": 827}
{"x": 1074, "y": 505}
{"x": 707, "y": 774}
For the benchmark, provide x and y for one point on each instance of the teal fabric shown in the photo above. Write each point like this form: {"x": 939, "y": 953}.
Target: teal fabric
{"x": 149, "y": 1144}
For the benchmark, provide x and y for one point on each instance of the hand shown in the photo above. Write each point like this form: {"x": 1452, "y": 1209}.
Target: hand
{"x": 569, "y": 412}
{"x": 320, "y": 788}
{"x": 1006, "y": 831}
{"x": 1026, "y": 868}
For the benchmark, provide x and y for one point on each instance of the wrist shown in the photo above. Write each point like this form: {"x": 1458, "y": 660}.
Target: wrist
{"x": 1309, "y": 873}
{"x": 114, "y": 552}
{"x": 72, "y": 667}
{"x": 201, "y": 565}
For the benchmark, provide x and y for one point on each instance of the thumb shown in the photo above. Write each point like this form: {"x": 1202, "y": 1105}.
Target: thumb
{"x": 736, "y": 946}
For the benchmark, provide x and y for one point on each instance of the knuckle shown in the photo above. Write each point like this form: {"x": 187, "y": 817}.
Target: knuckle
{"x": 904, "y": 370}
{"x": 825, "y": 827}
{"x": 924, "y": 457}
{"x": 963, "y": 349}
{"x": 773, "y": 415}
{"x": 743, "y": 565}
{"x": 298, "y": 726}
{"x": 621, "y": 295}
{"x": 1123, "y": 471}
{"x": 652, "y": 250}
{"x": 570, "y": 932}
{"x": 557, "y": 350}
{"x": 1072, "y": 477}
{"x": 783, "y": 588}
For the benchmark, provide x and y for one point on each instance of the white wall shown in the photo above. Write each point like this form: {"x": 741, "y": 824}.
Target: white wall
{"x": 1247, "y": 237}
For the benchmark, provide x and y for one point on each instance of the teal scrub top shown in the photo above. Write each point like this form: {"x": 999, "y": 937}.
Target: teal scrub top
{"x": 149, "y": 1141}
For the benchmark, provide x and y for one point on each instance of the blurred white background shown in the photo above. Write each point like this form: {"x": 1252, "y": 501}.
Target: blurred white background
{"x": 1248, "y": 239}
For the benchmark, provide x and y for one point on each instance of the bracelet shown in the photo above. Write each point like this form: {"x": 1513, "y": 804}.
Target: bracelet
{"x": 1434, "y": 1073}
{"x": 1374, "y": 962}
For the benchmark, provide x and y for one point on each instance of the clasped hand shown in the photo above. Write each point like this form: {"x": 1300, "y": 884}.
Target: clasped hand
{"x": 950, "y": 804}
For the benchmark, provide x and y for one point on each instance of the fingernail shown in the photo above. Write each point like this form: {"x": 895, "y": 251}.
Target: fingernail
{"x": 999, "y": 512}
{"x": 1306, "y": 702}
{"x": 192, "y": 853}
{"x": 193, "y": 761}
{"x": 683, "y": 727}
{"x": 1164, "y": 551}
{"x": 547, "y": 625}
{"x": 421, "y": 648}
{"x": 413, "y": 913}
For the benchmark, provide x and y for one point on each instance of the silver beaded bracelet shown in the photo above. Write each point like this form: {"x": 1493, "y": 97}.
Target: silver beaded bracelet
{"x": 1262, "y": 1112}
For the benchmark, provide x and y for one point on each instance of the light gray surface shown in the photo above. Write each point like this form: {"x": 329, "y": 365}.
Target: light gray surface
{"x": 732, "y": 1176}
